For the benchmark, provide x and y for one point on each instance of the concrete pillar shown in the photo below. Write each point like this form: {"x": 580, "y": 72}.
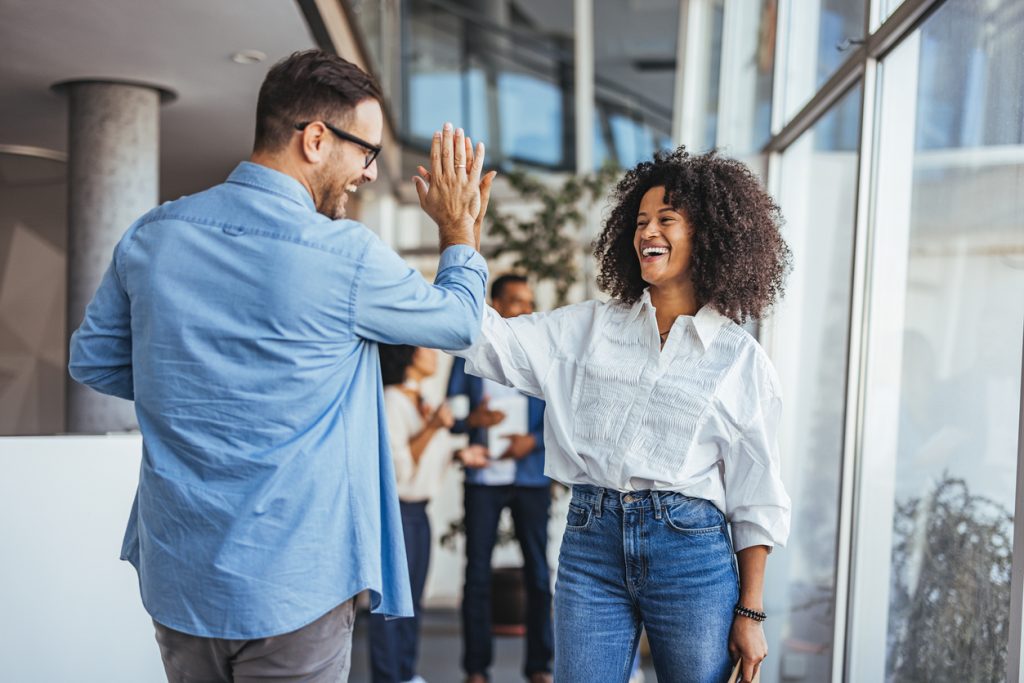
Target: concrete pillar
{"x": 113, "y": 167}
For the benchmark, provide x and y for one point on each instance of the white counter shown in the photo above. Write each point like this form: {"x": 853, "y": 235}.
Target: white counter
{"x": 69, "y": 608}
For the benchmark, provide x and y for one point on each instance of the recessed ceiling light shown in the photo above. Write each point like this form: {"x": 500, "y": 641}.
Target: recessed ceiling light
{"x": 248, "y": 57}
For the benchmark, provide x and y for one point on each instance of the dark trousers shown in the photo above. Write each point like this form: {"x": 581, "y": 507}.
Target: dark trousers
{"x": 529, "y": 506}
{"x": 394, "y": 644}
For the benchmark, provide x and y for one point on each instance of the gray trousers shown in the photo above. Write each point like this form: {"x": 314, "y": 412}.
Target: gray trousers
{"x": 320, "y": 652}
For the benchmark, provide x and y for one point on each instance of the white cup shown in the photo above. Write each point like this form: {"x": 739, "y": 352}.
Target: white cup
{"x": 459, "y": 405}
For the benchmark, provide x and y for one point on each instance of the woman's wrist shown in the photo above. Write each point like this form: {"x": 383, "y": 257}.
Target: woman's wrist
{"x": 755, "y": 615}
{"x": 752, "y": 598}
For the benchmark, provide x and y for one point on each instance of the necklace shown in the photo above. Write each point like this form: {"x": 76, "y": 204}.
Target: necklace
{"x": 665, "y": 333}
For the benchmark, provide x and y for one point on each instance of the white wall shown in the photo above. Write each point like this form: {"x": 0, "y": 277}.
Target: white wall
{"x": 70, "y": 608}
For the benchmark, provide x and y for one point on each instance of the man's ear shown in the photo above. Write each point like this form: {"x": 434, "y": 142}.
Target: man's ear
{"x": 312, "y": 142}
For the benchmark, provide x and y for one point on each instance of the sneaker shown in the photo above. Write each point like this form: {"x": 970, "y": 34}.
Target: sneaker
{"x": 416, "y": 679}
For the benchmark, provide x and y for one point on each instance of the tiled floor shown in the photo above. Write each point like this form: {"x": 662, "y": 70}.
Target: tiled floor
{"x": 441, "y": 649}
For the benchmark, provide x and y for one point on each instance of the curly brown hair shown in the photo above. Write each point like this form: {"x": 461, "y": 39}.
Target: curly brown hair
{"x": 739, "y": 260}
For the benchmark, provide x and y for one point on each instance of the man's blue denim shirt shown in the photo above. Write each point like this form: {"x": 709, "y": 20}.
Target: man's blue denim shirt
{"x": 244, "y": 325}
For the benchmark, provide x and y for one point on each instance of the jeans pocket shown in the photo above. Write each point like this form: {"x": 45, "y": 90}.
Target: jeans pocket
{"x": 578, "y": 517}
{"x": 694, "y": 517}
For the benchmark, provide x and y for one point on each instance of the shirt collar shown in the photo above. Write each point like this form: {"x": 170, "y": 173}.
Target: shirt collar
{"x": 267, "y": 179}
{"x": 706, "y": 322}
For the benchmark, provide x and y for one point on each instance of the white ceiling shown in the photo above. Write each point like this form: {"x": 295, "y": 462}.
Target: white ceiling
{"x": 181, "y": 45}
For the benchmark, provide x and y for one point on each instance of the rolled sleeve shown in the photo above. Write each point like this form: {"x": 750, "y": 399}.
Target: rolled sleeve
{"x": 756, "y": 500}
{"x": 395, "y": 305}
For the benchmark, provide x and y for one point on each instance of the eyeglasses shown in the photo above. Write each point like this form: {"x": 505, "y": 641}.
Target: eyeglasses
{"x": 371, "y": 150}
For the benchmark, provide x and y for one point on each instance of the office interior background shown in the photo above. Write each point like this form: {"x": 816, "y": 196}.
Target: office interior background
{"x": 891, "y": 133}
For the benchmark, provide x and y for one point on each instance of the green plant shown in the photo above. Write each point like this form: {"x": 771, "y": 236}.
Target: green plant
{"x": 950, "y": 617}
{"x": 457, "y": 527}
{"x": 546, "y": 243}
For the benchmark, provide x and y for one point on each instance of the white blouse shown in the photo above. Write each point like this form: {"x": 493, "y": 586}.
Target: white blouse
{"x": 416, "y": 481}
{"x": 699, "y": 416}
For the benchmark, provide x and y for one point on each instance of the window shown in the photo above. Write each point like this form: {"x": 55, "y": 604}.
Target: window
{"x": 809, "y": 342}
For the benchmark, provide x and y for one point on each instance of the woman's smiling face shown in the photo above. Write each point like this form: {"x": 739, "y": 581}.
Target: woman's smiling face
{"x": 662, "y": 241}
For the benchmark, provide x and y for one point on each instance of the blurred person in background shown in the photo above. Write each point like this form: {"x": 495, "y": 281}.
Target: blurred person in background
{"x": 510, "y": 425}
{"x": 662, "y": 414}
{"x": 244, "y": 322}
{"x": 421, "y": 451}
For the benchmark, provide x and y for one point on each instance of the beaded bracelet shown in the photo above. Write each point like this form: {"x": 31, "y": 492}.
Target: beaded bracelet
{"x": 749, "y": 613}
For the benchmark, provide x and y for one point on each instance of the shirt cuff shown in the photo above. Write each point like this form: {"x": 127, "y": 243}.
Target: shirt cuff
{"x": 748, "y": 534}
{"x": 461, "y": 255}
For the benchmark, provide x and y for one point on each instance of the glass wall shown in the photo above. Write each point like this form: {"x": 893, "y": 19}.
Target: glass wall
{"x": 500, "y": 76}
{"x": 963, "y": 312}
{"x": 818, "y": 37}
{"x": 809, "y": 334}
{"x": 634, "y": 78}
{"x": 744, "y": 107}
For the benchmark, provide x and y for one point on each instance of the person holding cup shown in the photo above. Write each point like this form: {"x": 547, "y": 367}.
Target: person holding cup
{"x": 421, "y": 453}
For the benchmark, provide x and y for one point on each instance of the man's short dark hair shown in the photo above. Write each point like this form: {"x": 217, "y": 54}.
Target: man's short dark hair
{"x": 308, "y": 86}
{"x": 499, "y": 284}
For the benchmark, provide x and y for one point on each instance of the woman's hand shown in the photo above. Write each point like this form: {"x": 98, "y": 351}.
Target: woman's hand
{"x": 452, "y": 195}
{"x": 747, "y": 642}
{"x": 485, "y": 188}
{"x": 442, "y": 418}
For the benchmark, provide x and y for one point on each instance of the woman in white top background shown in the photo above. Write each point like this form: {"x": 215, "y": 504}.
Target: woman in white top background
{"x": 662, "y": 414}
{"x": 422, "y": 451}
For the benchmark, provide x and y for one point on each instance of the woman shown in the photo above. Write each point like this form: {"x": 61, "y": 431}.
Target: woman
{"x": 662, "y": 415}
{"x": 421, "y": 451}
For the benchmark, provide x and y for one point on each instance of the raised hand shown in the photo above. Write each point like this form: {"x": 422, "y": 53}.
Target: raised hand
{"x": 485, "y": 187}
{"x": 450, "y": 193}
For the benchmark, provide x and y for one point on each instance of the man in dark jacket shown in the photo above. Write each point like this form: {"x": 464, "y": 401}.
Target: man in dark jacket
{"x": 511, "y": 426}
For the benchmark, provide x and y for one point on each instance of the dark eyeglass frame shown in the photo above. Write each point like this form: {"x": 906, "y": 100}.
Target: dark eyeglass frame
{"x": 372, "y": 150}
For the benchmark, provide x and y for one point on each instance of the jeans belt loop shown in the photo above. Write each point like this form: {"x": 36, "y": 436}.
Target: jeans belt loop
{"x": 656, "y": 501}
{"x": 600, "y": 501}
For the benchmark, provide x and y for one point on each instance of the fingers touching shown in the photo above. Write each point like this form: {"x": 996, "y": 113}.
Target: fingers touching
{"x": 454, "y": 191}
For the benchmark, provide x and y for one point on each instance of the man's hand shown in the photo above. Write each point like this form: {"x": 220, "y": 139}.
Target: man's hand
{"x": 473, "y": 456}
{"x": 520, "y": 446}
{"x": 485, "y": 188}
{"x": 482, "y": 416}
{"x": 747, "y": 642}
{"x": 452, "y": 198}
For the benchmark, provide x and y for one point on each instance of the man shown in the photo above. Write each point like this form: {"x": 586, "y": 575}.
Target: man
{"x": 243, "y": 321}
{"x": 514, "y": 479}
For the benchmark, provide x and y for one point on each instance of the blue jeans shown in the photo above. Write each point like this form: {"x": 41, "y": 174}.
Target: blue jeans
{"x": 660, "y": 560}
{"x": 394, "y": 644}
{"x": 529, "y": 505}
